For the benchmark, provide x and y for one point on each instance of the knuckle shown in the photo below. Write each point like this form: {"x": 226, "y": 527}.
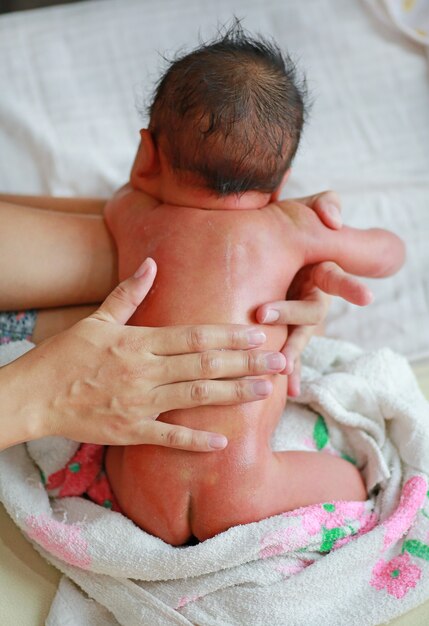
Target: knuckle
{"x": 253, "y": 362}
{"x": 125, "y": 295}
{"x": 239, "y": 390}
{"x": 120, "y": 293}
{"x": 177, "y": 438}
{"x": 200, "y": 392}
{"x": 235, "y": 339}
{"x": 197, "y": 339}
{"x": 209, "y": 363}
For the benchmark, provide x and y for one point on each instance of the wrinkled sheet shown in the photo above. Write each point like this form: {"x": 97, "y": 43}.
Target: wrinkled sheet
{"x": 73, "y": 77}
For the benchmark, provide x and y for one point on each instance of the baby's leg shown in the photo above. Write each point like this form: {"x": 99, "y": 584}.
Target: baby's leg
{"x": 285, "y": 482}
{"x": 304, "y": 478}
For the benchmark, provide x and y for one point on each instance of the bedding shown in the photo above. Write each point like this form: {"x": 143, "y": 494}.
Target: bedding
{"x": 74, "y": 77}
{"x": 366, "y": 404}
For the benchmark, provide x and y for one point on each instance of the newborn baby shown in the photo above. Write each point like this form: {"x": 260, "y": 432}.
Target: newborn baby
{"x": 224, "y": 126}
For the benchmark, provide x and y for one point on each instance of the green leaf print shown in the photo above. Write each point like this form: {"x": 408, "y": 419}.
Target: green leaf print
{"x": 320, "y": 433}
{"x": 330, "y": 536}
{"x": 416, "y": 548}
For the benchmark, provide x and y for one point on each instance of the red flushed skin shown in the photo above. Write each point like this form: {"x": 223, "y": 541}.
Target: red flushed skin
{"x": 218, "y": 266}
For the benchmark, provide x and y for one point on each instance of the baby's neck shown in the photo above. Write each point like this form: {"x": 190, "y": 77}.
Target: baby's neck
{"x": 178, "y": 194}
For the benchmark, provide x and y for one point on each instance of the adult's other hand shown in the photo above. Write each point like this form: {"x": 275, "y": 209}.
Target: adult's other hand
{"x": 103, "y": 382}
{"x": 308, "y": 298}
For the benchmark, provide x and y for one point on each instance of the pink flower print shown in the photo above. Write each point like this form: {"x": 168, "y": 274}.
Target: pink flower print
{"x": 184, "y": 600}
{"x": 281, "y": 541}
{"x": 79, "y": 473}
{"x": 309, "y": 443}
{"x": 330, "y": 515}
{"x": 64, "y": 541}
{"x": 367, "y": 522}
{"x": 397, "y": 576}
{"x": 294, "y": 568}
{"x": 412, "y": 498}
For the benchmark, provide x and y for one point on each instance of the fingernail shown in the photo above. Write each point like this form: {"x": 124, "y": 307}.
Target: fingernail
{"x": 272, "y": 315}
{"x": 218, "y": 442}
{"x": 143, "y": 268}
{"x": 256, "y": 337}
{"x": 275, "y": 361}
{"x": 262, "y": 387}
{"x": 332, "y": 211}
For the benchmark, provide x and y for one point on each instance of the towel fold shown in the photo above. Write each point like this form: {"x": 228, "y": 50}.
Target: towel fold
{"x": 367, "y": 560}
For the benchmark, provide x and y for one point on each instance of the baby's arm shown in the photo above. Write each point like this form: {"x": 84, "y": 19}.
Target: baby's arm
{"x": 374, "y": 252}
{"x": 51, "y": 258}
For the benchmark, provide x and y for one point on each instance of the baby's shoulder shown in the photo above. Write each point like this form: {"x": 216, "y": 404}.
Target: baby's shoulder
{"x": 298, "y": 220}
{"x": 127, "y": 204}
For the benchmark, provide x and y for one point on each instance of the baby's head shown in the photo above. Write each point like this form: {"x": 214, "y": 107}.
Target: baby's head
{"x": 228, "y": 116}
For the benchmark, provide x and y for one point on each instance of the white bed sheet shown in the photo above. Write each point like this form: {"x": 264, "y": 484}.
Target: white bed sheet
{"x": 70, "y": 78}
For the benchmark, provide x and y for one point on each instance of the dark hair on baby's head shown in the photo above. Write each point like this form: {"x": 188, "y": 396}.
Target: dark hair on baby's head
{"x": 229, "y": 114}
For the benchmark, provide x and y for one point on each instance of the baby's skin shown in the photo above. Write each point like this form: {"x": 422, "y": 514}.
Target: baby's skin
{"x": 217, "y": 266}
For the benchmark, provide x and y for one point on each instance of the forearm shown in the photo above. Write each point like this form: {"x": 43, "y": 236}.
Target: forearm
{"x": 53, "y": 203}
{"x": 53, "y": 259}
{"x": 50, "y": 322}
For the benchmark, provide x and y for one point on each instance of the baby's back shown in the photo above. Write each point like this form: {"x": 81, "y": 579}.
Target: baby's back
{"x": 213, "y": 267}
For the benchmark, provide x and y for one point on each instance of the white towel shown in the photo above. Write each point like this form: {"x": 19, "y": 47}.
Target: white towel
{"x": 277, "y": 571}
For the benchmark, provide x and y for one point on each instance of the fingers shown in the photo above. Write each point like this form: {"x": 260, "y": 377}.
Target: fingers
{"x": 294, "y": 381}
{"x": 126, "y": 297}
{"x": 295, "y": 344}
{"x": 331, "y": 279}
{"x": 327, "y": 205}
{"x": 186, "y": 395}
{"x": 200, "y": 338}
{"x": 303, "y": 312}
{"x": 172, "y": 436}
{"x": 220, "y": 364}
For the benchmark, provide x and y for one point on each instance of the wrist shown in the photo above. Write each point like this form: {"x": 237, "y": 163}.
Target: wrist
{"x": 19, "y": 418}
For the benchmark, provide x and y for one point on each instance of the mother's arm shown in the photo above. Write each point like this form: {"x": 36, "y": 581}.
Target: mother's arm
{"x": 64, "y": 255}
{"x": 53, "y": 258}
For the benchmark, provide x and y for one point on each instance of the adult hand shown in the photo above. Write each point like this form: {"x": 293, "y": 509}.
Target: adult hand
{"x": 327, "y": 205}
{"x": 308, "y": 297}
{"x": 102, "y": 382}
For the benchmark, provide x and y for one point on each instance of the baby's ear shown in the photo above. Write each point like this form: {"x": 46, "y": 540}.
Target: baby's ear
{"x": 146, "y": 162}
{"x": 275, "y": 196}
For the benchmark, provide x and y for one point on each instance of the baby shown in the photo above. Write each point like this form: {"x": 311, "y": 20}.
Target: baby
{"x": 202, "y": 201}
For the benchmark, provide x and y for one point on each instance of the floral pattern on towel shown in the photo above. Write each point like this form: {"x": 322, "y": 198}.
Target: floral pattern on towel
{"x": 65, "y": 541}
{"x": 319, "y": 527}
{"x": 400, "y": 574}
{"x": 397, "y": 576}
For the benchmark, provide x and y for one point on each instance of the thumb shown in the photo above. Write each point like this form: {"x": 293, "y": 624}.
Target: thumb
{"x": 327, "y": 205}
{"x": 126, "y": 297}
